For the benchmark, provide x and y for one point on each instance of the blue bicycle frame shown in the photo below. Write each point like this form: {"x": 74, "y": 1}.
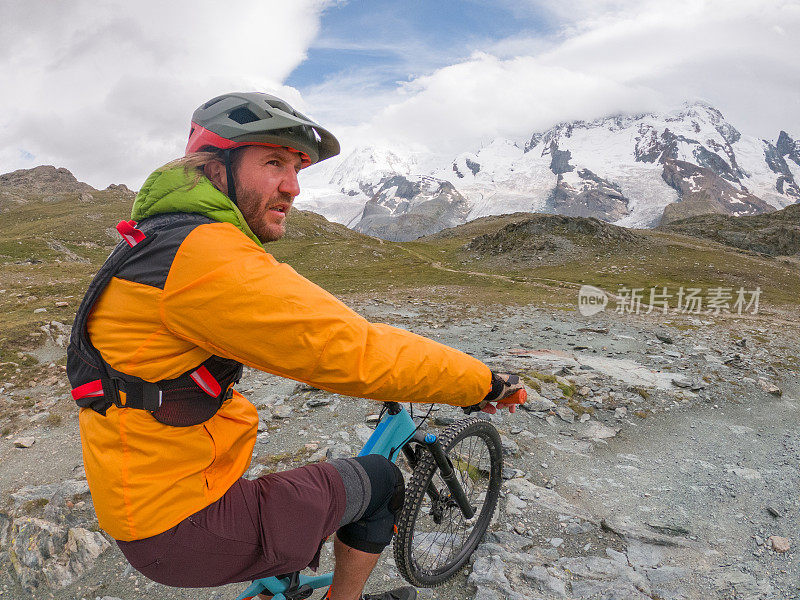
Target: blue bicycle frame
{"x": 395, "y": 430}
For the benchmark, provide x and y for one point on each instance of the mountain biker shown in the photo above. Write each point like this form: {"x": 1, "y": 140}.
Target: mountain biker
{"x": 166, "y": 439}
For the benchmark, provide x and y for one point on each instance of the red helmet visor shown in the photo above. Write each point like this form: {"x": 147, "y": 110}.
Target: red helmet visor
{"x": 200, "y": 138}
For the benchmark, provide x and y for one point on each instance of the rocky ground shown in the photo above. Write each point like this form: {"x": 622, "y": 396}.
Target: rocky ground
{"x": 658, "y": 459}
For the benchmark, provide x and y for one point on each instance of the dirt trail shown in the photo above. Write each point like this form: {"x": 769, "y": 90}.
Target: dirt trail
{"x": 707, "y": 475}
{"x": 523, "y": 279}
{"x": 682, "y": 484}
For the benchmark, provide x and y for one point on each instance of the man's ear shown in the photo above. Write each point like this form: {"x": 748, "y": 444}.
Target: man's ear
{"x": 215, "y": 171}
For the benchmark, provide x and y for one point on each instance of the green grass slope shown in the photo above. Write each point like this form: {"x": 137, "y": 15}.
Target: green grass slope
{"x": 775, "y": 234}
{"x": 50, "y": 248}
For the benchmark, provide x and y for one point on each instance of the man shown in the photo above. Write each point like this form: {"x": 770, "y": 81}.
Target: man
{"x": 159, "y": 342}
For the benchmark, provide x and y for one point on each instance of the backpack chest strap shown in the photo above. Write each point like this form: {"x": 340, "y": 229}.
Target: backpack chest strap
{"x": 144, "y": 395}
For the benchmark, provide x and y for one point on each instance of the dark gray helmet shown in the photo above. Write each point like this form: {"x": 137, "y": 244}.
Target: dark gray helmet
{"x": 255, "y": 119}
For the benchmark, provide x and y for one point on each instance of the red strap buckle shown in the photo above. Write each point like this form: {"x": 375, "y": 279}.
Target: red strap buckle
{"x": 203, "y": 378}
{"x": 129, "y": 233}
{"x": 93, "y": 388}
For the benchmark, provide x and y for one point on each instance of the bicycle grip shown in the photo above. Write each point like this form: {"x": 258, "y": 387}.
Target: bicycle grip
{"x": 514, "y": 399}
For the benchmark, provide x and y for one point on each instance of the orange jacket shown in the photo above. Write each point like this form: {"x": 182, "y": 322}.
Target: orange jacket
{"x": 225, "y": 295}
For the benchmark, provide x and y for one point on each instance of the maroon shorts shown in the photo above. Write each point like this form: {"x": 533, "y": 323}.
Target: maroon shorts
{"x": 272, "y": 525}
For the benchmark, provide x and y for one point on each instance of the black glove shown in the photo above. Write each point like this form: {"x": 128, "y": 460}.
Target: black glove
{"x": 504, "y": 385}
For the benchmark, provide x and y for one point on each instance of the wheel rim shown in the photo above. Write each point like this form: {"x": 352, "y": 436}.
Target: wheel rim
{"x": 441, "y": 544}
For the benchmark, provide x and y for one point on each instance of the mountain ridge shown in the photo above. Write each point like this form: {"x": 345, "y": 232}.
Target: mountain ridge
{"x": 774, "y": 234}
{"x": 50, "y": 184}
{"x": 624, "y": 169}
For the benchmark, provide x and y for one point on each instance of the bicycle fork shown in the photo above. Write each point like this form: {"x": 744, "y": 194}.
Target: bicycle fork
{"x": 447, "y": 472}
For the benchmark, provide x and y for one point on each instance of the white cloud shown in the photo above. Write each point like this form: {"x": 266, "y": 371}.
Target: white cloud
{"x": 487, "y": 97}
{"x": 107, "y": 88}
{"x": 618, "y": 56}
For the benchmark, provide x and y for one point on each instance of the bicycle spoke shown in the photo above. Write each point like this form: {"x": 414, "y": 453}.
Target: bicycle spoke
{"x": 438, "y": 537}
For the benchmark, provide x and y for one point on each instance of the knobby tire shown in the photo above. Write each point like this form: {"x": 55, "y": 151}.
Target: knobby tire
{"x": 473, "y": 446}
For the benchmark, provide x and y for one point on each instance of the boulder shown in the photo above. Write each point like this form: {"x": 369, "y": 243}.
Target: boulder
{"x": 45, "y": 555}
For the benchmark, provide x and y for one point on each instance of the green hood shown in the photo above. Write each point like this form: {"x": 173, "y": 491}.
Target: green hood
{"x": 171, "y": 189}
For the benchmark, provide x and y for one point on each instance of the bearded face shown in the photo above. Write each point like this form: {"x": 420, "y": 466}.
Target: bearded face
{"x": 266, "y": 186}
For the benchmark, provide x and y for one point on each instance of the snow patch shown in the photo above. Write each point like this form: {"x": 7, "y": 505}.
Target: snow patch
{"x": 503, "y": 177}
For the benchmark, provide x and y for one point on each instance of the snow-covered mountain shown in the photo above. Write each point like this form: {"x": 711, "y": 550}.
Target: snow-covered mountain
{"x": 631, "y": 170}
{"x": 405, "y": 208}
{"x": 339, "y": 188}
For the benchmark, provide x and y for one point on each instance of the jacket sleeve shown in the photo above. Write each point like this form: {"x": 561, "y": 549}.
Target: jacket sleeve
{"x": 228, "y": 296}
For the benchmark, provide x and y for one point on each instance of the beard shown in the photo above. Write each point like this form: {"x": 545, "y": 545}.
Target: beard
{"x": 262, "y": 222}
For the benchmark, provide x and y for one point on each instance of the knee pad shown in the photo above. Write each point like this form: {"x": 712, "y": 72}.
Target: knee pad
{"x": 399, "y": 494}
{"x": 372, "y": 530}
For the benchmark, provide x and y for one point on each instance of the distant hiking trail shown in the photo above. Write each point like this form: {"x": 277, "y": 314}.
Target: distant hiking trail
{"x": 522, "y": 279}
{"x": 772, "y": 317}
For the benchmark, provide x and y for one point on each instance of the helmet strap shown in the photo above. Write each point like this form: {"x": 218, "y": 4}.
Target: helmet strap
{"x": 229, "y": 175}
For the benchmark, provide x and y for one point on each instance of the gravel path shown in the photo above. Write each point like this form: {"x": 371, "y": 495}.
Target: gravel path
{"x": 666, "y": 466}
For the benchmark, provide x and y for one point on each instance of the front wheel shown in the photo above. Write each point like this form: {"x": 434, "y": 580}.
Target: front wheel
{"x": 434, "y": 540}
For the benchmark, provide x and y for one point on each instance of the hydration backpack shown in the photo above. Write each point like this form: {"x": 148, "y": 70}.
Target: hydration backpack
{"x": 145, "y": 257}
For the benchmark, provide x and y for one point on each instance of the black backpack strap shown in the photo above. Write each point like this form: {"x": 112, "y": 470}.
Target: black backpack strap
{"x": 95, "y": 384}
{"x": 92, "y": 384}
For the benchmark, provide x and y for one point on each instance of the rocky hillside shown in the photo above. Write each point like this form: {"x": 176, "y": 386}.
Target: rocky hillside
{"x": 45, "y": 180}
{"x": 631, "y": 170}
{"x": 703, "y": 191}
{"x": 551, "y": 238}
{"x": 401, "y": 209}
{"x": 776, "y": 234}
{"x": 48, "y": 184}
{"x": 307, "y": 225}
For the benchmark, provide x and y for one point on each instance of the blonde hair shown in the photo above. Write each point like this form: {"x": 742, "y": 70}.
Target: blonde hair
{"x": 196, "y": 161}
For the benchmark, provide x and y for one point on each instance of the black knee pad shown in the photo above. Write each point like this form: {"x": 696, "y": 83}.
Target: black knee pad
{"x": 399, "y": 495}
{"x": 372, "y": 531}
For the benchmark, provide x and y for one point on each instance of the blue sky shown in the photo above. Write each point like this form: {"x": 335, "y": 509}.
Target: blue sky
{"x": 394, "y": 41}
{"x": 451, "y": 74}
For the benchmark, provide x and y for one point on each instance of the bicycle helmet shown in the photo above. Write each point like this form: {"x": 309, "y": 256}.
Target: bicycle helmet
{"x": 255, "y": 119}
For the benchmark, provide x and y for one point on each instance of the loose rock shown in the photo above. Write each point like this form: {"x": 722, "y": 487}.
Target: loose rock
{"x": 317, "y": 402}
{"x": 664, "y": 337}
{"x": 596, "y": 431}
{"x": 565, "y": 413}
{"x": 283, "y": 411}
{"x": 339, "y": 451}
{"x": 510, "y": 447}
{"x": 778, "y": 544}
{"x": 770, "y": 387}
{"x": 511, "y": 473}
{"x": 537, "y": 403}
{"x": 775, "y": 512}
